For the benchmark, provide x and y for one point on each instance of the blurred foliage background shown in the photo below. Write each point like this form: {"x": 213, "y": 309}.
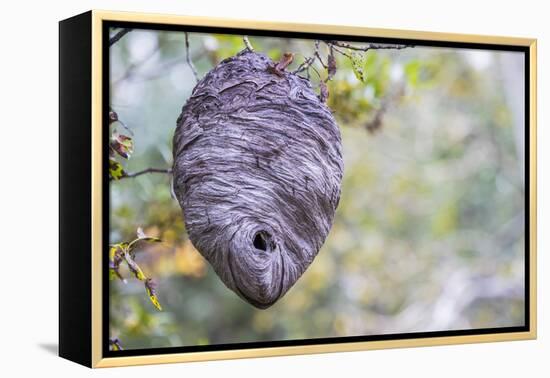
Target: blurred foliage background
{"x": 429, "y": 232}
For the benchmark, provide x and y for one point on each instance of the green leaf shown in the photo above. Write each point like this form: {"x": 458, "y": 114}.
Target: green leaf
{"x": 115, "y": 170}
{"x": 358, "y": 64}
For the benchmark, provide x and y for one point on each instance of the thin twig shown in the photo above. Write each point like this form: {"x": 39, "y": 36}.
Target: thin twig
{"x": 319, "y": 55}
{"x": 315, "y": 70}
{"x": 247, "y": 43}
{"x": 167, "y": 171}
{"x": 121, "y": 33}
{"x": 342, "y": 52}
{"x": 306, "y": 64}
{"x": 188, "y": 58}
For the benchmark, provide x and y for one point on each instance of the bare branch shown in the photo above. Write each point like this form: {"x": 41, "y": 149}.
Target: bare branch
{"x": 370, "y": 46}
{"x": 331, "y": 64}
{"x": 341, "y": 52}
{"x": 188, "y": 58}
{"x": 315, "y": 70}
{"x": 121, "y": 33}
{"x": 247, "y": 43}
{"x": 319, "y": 55}
{"x": 306, "y": 64}
{"x": 167, "y": 171}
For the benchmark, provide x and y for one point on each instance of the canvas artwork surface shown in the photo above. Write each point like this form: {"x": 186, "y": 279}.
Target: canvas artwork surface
{"x": 274, "y": 188}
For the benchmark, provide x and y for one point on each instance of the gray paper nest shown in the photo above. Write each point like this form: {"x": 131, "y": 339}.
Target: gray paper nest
{"x": 257, "y": 172}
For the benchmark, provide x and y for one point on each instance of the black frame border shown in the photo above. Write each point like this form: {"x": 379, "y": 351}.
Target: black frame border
{"x": 75, "y": 183}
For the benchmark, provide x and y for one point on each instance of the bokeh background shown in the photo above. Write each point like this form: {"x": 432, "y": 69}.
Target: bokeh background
{"x": 429, "y": 232}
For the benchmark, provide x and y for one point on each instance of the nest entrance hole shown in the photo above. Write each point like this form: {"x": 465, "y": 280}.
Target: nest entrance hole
{"x": 263, "y": 241}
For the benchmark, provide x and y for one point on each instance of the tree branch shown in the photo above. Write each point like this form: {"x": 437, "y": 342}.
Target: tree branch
{"x": 121, "y": 33}
{"x": 167, "y": 171}
{"x": 247, "y": 43}
{"x": 370, "y": 46}
{"x": 342, "y": 52}
{"x": 306, "y": 64}
{"x": 331, "y": 67}
{"x": 187, "y": 57}
{"x": 319, "y": 55}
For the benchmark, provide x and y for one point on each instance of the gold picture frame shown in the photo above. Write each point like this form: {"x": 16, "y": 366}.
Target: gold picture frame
{"x": 94, "y": 356}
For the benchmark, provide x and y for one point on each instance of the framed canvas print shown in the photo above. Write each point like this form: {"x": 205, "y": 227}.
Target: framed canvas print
{"x": 235, "y": 189}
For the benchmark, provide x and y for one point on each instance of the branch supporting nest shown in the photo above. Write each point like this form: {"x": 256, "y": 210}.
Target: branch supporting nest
{"x": 247, "y": 43}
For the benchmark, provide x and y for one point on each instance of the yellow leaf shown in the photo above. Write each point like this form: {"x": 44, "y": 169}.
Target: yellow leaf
{"x": 114, "y": 344}
{"x": 115, "y": 170}
{"x": 112, "y": 252}
{"x": 154, "y": 299}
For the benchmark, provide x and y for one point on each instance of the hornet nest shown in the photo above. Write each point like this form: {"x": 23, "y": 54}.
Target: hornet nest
{"x": 257, "y": 172}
